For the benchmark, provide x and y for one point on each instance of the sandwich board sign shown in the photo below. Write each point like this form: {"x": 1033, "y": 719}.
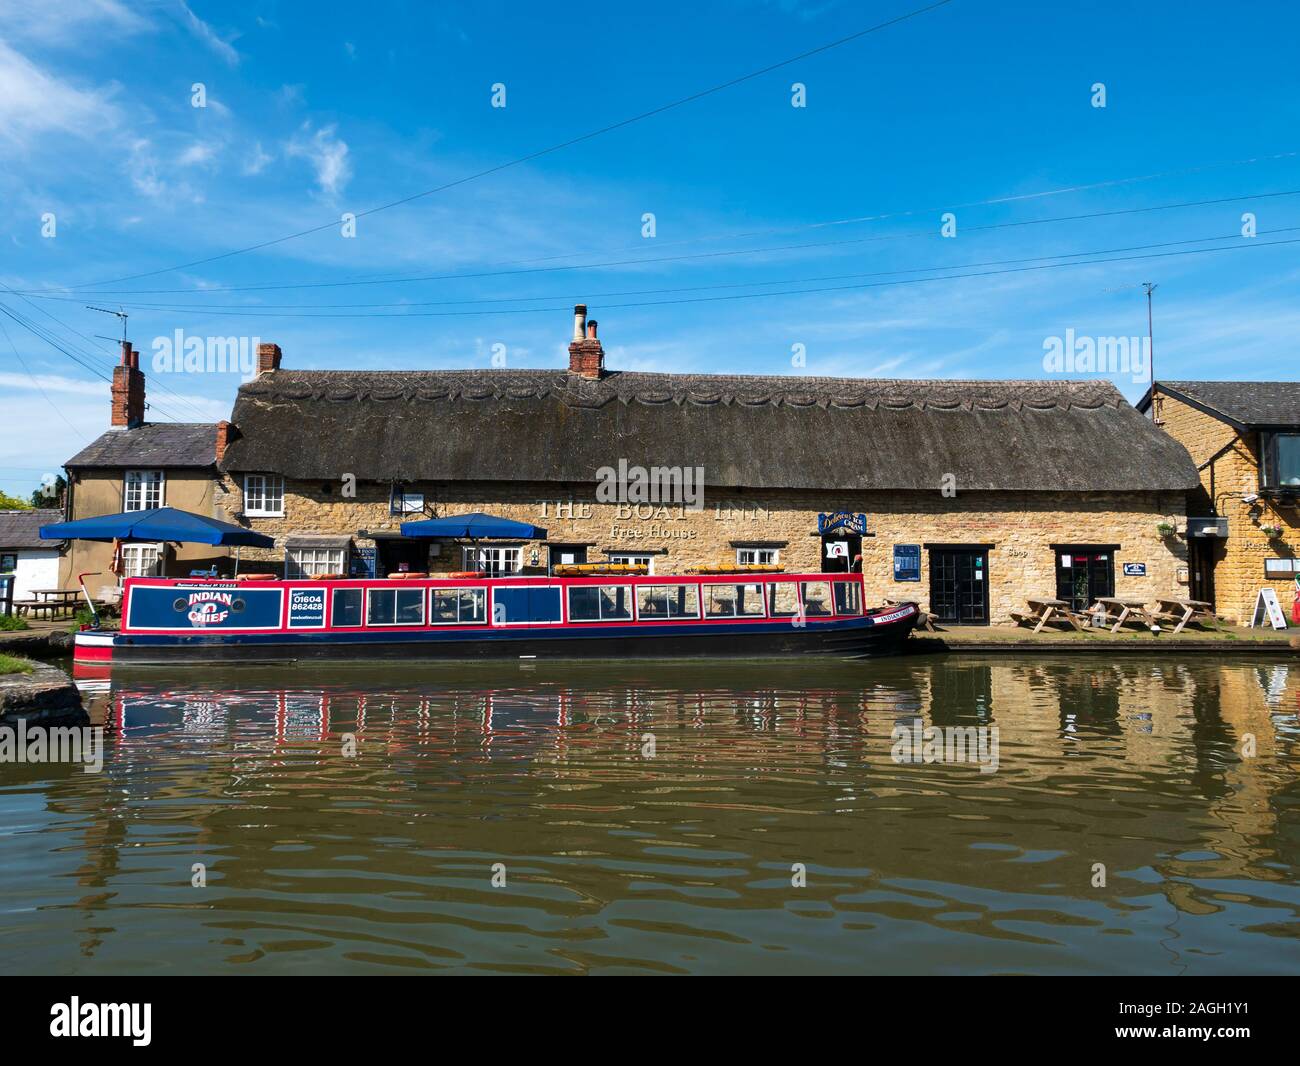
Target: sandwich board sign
{"x": 1268, "y": 609}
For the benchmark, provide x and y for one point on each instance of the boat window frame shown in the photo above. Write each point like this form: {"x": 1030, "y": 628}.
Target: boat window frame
{"x": 394, "y": 624}
{"x": 699, "y": 602}
{"x": 334, "y": 622}
{"x": 492, "y": 607}
{"x": 735, "y": 614}
{"x": 458, "y": 589}
{"x": 600, "y": 619}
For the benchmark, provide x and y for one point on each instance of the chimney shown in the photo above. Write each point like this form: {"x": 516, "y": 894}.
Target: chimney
{"x": 223, "y": 439}
{"x": 268, "y": 358}
{"x": 128, "y": 390}
{"x": 586, "y": 355}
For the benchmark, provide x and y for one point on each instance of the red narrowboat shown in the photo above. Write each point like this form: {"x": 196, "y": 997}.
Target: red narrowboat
{"x": 168, "y": 621}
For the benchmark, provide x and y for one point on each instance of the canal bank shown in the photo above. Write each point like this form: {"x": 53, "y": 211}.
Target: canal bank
{"x": 1221, "y": 640}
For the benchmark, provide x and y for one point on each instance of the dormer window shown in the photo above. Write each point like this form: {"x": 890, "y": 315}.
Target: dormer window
{"x": 1280, "y": 469}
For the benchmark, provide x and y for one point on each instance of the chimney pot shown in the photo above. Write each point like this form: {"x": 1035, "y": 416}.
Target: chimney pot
{"x": 591, "y": 329}
{"x": 586, "y": 355}
{"x": 579, "y": 321}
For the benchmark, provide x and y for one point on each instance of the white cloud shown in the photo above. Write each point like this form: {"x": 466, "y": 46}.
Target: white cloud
{"x": 256, "y": 161}
{"x": 57, "y": 22}
{"x": 34, "y": 102}
{"x": 208, "y": 35}
{"x": 327, "y": 154}
{"x": 197, "y": 154}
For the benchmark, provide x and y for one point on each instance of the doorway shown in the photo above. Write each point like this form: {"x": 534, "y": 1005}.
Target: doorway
{"x": 959, "y": 587}
{"x": 1084, "y": 574}
{"x": 1200, "y": 568}
{"x": 398, "y": 555}
{"x": 839, "y": 552}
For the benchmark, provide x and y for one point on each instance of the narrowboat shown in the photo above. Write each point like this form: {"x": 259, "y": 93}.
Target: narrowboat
{"x": 209, "y": 620}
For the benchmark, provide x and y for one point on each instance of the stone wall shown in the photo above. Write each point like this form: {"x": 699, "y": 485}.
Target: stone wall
{"x": 1230, "y": 470}
{"x": 1021, "y": 527}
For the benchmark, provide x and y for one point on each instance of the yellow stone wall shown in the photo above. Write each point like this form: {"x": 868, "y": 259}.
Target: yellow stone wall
{"x": 1227, "y": 476}
{"x": 1020, "y": 526}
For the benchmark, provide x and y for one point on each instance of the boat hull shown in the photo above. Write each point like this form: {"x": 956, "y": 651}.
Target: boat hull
{"x": 851, "y": 638}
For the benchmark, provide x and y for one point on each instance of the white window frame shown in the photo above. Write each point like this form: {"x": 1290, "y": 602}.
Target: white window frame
{"x": 268, "y": 482}
{"x": 322, "y": 561}
{"x": 773, "y": 556}
{"x": 394, "y": 589}
{"x": 133, "y": 557}
{"x": 458, "y": 590}
{"x": 633, "y": 559}
{"x": 142, "y": 482}
{"x": 473, "y": 558}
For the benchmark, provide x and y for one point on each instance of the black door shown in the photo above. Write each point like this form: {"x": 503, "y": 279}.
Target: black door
{"x": 1200, "y": 568}
{"x": 840, "y": 552}
{"x": 959, "y": 587}
{"x": 1084, "y": 575}
{"x": 401, "y": 554}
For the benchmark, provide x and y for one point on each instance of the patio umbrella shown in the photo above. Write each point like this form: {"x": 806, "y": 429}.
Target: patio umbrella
{"x": 157, "y": 523}
{"x": 475, "y": 526}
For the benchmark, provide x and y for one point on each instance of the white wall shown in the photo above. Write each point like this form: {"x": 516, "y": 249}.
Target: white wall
{"x": 37, "y": 569}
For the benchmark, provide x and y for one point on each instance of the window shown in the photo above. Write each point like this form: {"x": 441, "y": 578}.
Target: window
{"x": 731, "y": 601}
{"x": 143, "y": 490}
{"x": 526, "y": 605}
{"x": 816, "y": 596}
{"x": 347, "y": 607}
{"x": 600, "y": 603}
{"x": 303, "y": 562}
{"x": 1281, "y": 466}
{"x": 494, "y": 561}
{"x": 848, "y": 597}
{"x": 402, "y": 502}
{"x": 667, "y": 601}
{"x": 458, "y": 607}
{"x": 141, "y": 560}
{"x": 758, "y": 556}
{"x": 394, "y": 607}
{"x": 568, "y": 554}
{"x": 783, "y": 599}
{"x": 1084, "y": 575}
{"x": 8, "y": 563}
{"x": 264, "y": 495}
{"x": 633, "y": 559}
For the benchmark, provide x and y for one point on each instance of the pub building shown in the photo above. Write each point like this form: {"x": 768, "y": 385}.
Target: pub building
{"x": 965, "y": 496}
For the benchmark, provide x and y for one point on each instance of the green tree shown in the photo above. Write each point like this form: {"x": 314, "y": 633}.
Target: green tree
{"x": 49, "y": 496}
{"x": 13, "y": 503}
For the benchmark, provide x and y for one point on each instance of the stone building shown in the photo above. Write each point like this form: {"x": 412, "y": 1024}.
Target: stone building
{"x": 968, "y": 496}
{"x": 1244, "y": 526}
{"x": 137, "y": 465}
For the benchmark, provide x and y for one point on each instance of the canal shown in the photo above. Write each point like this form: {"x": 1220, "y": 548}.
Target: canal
{"x": 1117, "y": 816}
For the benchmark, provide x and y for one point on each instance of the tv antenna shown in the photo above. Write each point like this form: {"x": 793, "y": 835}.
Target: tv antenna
{"x": 1148, "y": 287}
{"x": 119, "y": 313}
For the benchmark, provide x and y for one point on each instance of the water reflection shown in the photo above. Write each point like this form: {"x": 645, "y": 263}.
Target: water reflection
{"x": 648, "y": 818}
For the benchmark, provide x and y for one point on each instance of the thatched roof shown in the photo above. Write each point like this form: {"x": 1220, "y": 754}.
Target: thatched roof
{"x": 1241, "y": 404}
{"x": 156, "y": 444}
{"x": 746, "y": 431}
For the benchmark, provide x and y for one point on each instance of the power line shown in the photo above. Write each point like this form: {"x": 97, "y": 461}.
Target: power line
{"x": 788, "y": 292}
{"x": 266, "y": 309}
{"x": 549, "y": 150}
{"x": 909, "y": 235}
{"x": 39, "y": 388}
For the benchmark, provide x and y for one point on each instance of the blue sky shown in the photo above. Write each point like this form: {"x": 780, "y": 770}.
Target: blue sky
{"x": 310, "y": 115}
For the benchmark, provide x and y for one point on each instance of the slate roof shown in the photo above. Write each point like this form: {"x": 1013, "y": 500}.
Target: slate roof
{"x": 746, "y": 431}
{"x": 20, "y": 529}
{"x": 155, "y": 444}
{"x": 1244, "y": 404}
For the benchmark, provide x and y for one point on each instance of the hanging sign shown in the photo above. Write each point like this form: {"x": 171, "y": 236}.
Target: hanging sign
{"x": 837, "y": 549}
{"x": 907, "y": 562}
{"x": 842, "y": 521}
{"x": 1268, "y": 609}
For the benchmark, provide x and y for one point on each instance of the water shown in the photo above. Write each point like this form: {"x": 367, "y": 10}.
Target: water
{"x": 618, "y": 862}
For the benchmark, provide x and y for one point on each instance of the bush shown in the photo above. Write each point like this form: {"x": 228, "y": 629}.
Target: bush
{"x": 12, "y": 621}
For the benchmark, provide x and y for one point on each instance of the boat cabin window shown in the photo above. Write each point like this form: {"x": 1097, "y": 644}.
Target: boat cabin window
{"x": 458, "y": 606}
{"x": 526, "y": 605}
{"x": 783, "y": 599}
{"x": 816, "y": 596}
{"x": 600, "y": 603}
{"x": 733, "y": 601}
{"x": 848, "y": 597}
{"x": 394, "y": 607}
{"x": 347, "y": 607}
{"x": 667, "y": 601}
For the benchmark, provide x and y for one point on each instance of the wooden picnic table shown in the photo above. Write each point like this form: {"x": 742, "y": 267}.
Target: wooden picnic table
{"x": 1184, "y": 611}
{"x": 1046, "y": 610}
{"x": 1123, "y": 609}
{"x": 55, "y": 600}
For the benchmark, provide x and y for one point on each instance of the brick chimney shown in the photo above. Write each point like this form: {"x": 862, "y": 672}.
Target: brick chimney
{"x": 586, "y": 355}
{"x": 128, "y": 390}
{"x": 223, "y": 439}
{"x": 268, "y": 358}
